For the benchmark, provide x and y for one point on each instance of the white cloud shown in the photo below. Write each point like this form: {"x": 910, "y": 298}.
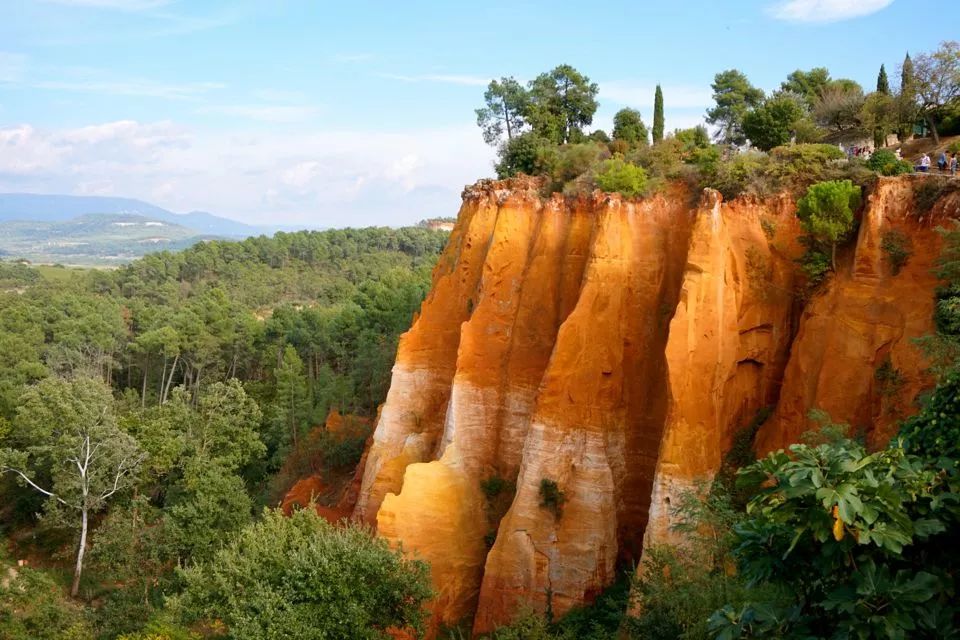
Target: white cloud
{"x": 308, "y": 177}
{"x": 825, "y": 10}
{"x": 641, "y": 95}
{"x": 466, "y": 80}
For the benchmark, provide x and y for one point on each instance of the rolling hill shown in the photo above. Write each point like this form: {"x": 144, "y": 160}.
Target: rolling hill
{"x": 93, "y": 239}
{"x": 59, "y": 208}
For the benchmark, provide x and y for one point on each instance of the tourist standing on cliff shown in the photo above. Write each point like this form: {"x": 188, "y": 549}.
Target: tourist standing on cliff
{"x": 924, "y": 164}
{"x": 942, "y": 162}
{"x": 953, "y": 165}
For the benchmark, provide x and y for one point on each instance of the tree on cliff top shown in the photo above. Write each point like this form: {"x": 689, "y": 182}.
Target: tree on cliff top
{"x": 628, "y": 126}
{"x": 826, "y": 212}
{"x": 937, "y": 82}
{"x": 506, "y": 101}
{"x": 561, "y": 103}
{"x": 300, "y": 577}
{"x": 775, "y": 122}
{"x": 808, "y": 84}
{"x": 658, "y": 124}
{"x": 735, "y": 96}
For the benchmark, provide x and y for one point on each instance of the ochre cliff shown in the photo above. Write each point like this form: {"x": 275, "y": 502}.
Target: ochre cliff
{"x": 615, "y": 348}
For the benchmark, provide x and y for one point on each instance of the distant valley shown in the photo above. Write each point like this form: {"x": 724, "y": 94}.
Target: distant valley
{"x": 88, "y": 230}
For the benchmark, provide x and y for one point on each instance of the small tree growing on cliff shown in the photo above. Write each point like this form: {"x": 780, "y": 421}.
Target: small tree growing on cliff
{"x": 826, "y": 213}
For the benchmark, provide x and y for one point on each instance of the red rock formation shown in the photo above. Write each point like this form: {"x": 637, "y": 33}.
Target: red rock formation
{"x": 729, "y": 341}
{"x": 334, "y": 501}
{"x": 867, "y": 316}
{"x": 615, "y": 348}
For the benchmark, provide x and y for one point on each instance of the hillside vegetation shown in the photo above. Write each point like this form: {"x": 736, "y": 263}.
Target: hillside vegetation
{"x": 192, "y": 376}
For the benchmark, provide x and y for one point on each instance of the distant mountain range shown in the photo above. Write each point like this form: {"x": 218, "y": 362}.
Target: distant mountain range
{"x": 58, "y": 208}
{"x": 94, "y": 230}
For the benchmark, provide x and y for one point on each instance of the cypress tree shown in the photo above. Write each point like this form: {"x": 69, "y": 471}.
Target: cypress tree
{"x": 883, "y": 83}
{"x": 907, "y": 80}
{"x": 907, "y": 108}
{"x": 658, "y": 116}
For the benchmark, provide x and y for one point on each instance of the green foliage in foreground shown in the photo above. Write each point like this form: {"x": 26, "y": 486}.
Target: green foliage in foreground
{"x": 33, "y": 607}
{"x": 299, "y": 577}
{"x": 860, "y": 540}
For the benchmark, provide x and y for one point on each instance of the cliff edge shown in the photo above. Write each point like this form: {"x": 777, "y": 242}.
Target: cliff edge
{"x": 579, "y": 362}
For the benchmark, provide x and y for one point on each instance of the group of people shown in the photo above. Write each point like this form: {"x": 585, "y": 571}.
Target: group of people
{"x": 863, "y": 153}
{"x": 944, "y": 163}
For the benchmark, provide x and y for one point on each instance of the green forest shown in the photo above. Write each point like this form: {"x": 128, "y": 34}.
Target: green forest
{"x": 150, "y": 410}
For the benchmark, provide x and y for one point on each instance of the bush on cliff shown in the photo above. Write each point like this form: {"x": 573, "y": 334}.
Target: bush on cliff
{"x": 885, "y": 162}
{"x": 618, "y": 175}
{"x": 301, "y": 577}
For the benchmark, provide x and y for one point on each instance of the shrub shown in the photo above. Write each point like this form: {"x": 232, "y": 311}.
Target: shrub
{"x": 34, "y": 607}
{"x": 572, "y": 161}
{"x": 815, "y": 265}
{"x": 661, "y": 161}
{"x": 526, "y": 153}
{"x": 926, "y": 194}
{"x": 826, "y": 212}
{"x": 769, "y": 227}
{"x": 954, "y": 147}
{"x": 857, "y": 540}
{"x": 493, "y": 486}
{"x": 617, "y": 175}
{"x": 799, "y": 165}
{"x": 288, "y": 577}
{"x": 897, "y": 246}
{"x": 551, "y": 497}
{"x": 885, "y": 162}
{"x": 935, "y": 431}
{"x": 745, "y": 173}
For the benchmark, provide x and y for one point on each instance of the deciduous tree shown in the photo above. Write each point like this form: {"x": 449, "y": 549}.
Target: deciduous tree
{"x": 67, "y": 446}
{"x": 628, "y": 126}
{"x": 937, "y": 77}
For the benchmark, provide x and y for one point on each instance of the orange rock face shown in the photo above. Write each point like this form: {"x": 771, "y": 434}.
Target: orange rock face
{"x": 615, "y": 349}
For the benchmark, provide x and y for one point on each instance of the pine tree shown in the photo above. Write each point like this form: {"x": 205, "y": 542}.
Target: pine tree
{"x": 658, "y": 116}
{"x": 883, "y": 83}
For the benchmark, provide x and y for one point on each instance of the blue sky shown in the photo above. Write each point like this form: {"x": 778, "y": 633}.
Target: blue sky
{"x": 354, "y": 113}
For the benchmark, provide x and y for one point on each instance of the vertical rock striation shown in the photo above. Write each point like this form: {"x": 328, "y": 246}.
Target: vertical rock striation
{"x": 615, "y": 349}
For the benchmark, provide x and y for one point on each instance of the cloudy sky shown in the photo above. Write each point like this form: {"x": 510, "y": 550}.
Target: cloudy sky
{"x": 319, "y": 113}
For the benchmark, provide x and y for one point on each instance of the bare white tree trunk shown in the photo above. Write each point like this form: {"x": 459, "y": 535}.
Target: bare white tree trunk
{"x": 78, "y": 569}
